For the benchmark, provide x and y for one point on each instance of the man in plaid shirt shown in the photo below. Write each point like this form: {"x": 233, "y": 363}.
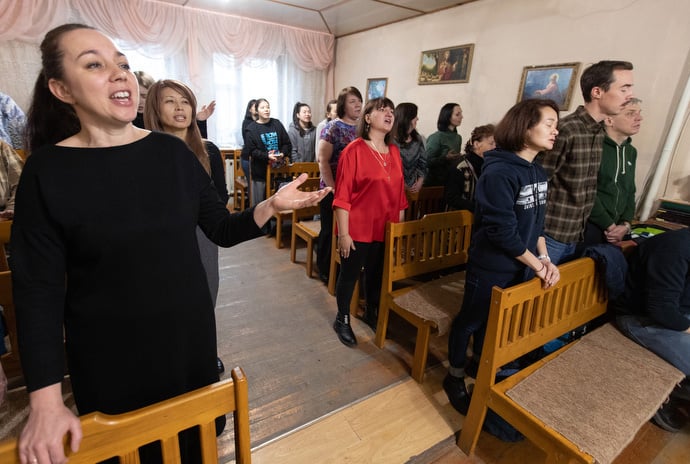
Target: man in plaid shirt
{"x": 573, "y": 163}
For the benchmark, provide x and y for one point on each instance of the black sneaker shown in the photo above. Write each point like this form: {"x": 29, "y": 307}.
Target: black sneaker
{"x": 457, "y": 393}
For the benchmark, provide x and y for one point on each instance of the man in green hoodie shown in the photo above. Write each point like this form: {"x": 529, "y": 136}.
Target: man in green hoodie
{"x": 614, "y": 205}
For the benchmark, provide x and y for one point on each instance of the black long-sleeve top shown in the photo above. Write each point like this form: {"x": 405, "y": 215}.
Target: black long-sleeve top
{"x": 263, "y": 138}
{"x": 217, "y": 171}
{"x": 104, "y": 245}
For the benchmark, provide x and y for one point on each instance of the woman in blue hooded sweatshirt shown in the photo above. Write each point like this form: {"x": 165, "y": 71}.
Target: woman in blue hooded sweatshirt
{"x": 508, "y": 245}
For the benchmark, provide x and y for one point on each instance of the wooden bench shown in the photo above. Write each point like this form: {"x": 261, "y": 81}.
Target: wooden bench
{"x": 289, "y": 172}
{"x": 426, "y": 201}
{"x": 525, "y": 317}
{"x": 414, "y": 248}
{"x": 108, "y": 436}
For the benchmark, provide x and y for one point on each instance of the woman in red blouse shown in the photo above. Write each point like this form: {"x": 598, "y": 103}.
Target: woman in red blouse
{"x": 369, "y": 191}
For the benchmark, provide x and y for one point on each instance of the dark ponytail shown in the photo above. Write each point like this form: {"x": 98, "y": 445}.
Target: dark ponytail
{"x": 50, "y": 120}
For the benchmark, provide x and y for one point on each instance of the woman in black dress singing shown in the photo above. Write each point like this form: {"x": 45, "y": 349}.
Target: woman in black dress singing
{"x": 104, "y": 247}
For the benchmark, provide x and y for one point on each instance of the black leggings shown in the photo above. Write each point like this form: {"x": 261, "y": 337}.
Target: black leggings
{"x": 370, "y": 257}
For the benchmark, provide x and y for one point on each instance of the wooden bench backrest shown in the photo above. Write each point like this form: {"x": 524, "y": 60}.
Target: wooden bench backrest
{"x": 427, "y": 200}
{"x": 107, "y": 436}
{"x": 10, "y": 360}
{"x": 435, "y": 242}
{"x": 289, "y": 172}
{"x": 21, "y": 153}
{"x": 312, "y": 184}
{"x": 525, "y": 317}
{"x": 237, "y": 162}
{"x": 5, "y": 227}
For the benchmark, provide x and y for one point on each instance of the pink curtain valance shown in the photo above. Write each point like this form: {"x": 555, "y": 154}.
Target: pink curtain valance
{"x": 166, "y": 29}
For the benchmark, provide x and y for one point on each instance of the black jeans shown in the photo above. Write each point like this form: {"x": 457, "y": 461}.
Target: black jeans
{"x": 370, "y": 257}
{"x": 323, "y": 244}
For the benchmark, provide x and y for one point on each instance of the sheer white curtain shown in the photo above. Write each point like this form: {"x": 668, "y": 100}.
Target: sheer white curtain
{"x": 222, "y": 57}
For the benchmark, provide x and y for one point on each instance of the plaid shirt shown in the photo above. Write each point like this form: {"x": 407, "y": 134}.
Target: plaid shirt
{"x": 572, "y": 166}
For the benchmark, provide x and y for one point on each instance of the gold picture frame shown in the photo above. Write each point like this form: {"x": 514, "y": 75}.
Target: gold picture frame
{"x": 450, "y": 65}
{"x": 553, "y": 81}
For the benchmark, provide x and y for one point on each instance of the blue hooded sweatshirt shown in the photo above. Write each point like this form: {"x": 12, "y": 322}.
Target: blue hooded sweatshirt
{"x": 509, "y": 211}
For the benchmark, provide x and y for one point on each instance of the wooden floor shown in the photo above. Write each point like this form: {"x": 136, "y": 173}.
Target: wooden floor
{"x": 414, "y": 424}
{"x": 295, "y": 356}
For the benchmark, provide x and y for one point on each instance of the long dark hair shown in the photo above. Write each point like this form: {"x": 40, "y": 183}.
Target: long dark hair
{"x": 404, "y": 114}
{"x": 374, "y": 104}
{"x": 295, "y": 119}
{"x": 444, "y": 116}
{"x": 153, "y": 121}
{"x": 49, "y": 119}
{"x": 248, "y": 116}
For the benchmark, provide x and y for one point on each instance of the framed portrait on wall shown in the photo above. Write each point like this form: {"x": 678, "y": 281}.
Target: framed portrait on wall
{"x": 376, "y": 87}
{"x": 446, "y": 65}
{"x": 553, "y": 81}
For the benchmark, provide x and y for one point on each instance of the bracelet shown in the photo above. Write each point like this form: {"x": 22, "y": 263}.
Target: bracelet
{"x": 543, "y": 265}
{"x": 544, "y": 258}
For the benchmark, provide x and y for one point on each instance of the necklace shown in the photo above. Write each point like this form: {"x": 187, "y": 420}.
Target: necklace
{"x": 383, "y": 162}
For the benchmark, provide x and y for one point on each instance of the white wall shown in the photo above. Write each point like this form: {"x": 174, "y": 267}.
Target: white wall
{"x": 511, "y": 34}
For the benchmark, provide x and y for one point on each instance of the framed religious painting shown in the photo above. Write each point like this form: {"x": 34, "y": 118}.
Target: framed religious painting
{"x": 553, "y": 81}
{"x": 376, "y": 87}
{"x": 446, "y": 65}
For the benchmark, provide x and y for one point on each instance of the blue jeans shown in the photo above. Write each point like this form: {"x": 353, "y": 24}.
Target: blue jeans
{"x": 671, "y": 345}
{"x": 474, "y": 314}
{"x": 560, "y": 252}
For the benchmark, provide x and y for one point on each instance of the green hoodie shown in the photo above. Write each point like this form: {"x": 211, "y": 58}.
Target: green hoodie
{"x": 615, "y": 200}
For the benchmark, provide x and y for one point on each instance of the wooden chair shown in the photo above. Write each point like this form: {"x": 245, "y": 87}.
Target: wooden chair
{"x": 288, "y": 172}
{"x": 10, "y": 360}
{"x": 5, "y": 226}
{"x": 417, "y": 248}
{"x": 427, "y": 200}
{"x": 108, "y": 436}
{"x": 21, "y": 153}
{"x": 240, "y": 194}
{"x": 306, "y": 228}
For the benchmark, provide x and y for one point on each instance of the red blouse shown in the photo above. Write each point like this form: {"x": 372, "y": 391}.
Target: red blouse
{"x": 372, "y": 192}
